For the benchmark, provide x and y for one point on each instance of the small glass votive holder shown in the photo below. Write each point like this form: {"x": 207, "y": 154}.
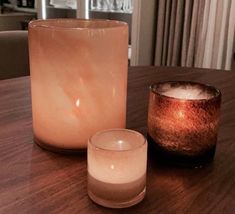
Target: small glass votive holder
{"x": 183, "y": 120}
{"x": 117, "y": 161}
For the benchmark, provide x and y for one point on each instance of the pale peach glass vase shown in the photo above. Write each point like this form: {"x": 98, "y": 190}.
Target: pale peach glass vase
{"x": 78, "y": 74}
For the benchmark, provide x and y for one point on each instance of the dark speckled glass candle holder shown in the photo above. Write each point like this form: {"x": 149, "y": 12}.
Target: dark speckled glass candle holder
{"x": 183, "y": 122}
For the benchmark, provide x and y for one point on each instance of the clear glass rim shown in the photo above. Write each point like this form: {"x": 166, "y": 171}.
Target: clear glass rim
{"x": 50, "y": 24}
{"x": 215, "y": 95}
{"x": 91, "y": 139}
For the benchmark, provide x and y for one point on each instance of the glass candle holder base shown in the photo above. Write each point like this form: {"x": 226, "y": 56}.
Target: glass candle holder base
{"x": 113, "y": 204}
{"x": 167, "y": 157}
{"x": 120, "y": 199}
{"x": 50, "y": 148}
{"x": 116, "y": 163}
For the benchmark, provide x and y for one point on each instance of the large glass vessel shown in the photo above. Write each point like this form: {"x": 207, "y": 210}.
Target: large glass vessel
{"x": 78, "y": 80}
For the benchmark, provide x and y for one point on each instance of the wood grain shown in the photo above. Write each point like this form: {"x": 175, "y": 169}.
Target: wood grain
{"x": 33, "y": 180}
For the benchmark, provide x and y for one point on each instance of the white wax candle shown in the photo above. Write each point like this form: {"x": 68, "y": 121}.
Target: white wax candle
{"x": 188, "y": 92}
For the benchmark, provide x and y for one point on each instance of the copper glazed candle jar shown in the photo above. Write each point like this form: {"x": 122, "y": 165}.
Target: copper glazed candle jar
{"x": 183, "y": 122}
{"x": 78, "y": 72}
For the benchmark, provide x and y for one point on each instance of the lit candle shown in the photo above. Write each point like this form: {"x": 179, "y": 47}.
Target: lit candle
{"x": 117, "y": 162}
{"x": 78, "y": 81}
{"x": 183, "y": 122}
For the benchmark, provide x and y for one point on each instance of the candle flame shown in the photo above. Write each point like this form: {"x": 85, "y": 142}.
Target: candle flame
{"x": 120, "y": 142}
{"x": 180, "y": 114}
{"x": 78, "y": 103}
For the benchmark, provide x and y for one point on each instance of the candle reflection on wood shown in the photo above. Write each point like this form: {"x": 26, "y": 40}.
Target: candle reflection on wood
{"x": 183, "y": 122}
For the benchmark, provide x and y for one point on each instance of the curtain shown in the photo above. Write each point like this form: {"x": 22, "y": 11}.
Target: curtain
{"x": 195, "y": 33}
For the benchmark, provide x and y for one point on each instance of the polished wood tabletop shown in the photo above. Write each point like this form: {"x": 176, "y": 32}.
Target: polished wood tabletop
{"x": 33, "y": 180}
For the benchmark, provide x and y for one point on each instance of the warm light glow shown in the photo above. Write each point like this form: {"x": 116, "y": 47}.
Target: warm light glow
{"x": 80, "y": 99}
{"x": 78, "y": 102}
{"x": 180, "y": 114}
{"x": 120, "y": 142}
{"x": 183, "y": 123}
{"x": 117, "y": 157}
{"x": 117, "y": 161}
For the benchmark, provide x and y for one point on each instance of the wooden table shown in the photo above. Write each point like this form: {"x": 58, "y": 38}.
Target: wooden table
{"x": 33, "y": 180}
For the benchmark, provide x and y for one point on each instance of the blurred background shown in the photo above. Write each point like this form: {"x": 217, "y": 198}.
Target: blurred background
{"x": 192, "y": 33}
